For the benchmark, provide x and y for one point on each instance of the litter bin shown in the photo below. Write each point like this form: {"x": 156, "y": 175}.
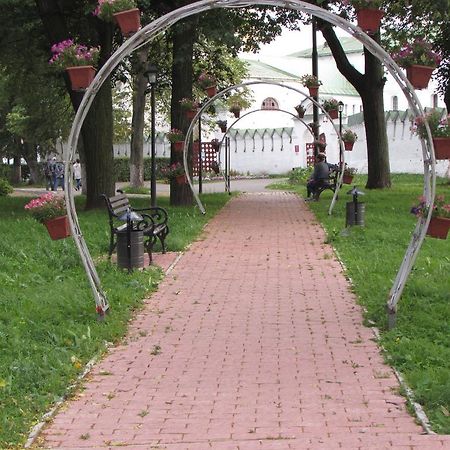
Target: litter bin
{"x": 352, "y": 217}
{"x": 132, "y": 257}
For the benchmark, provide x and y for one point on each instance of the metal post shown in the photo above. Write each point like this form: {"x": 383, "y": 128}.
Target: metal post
{"x": 315, "y": 71}
{"x": 226, "y": 164}
{"x": 153, "y": 149}
{"x": 229, "y": 165}
{"x": 341, "y": 108}
{"x": 200, "y": 165}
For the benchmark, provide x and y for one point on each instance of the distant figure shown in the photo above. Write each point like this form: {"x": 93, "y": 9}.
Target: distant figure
{"x": 48, "y": 175}
{"x": 319, "y": 176}
{"x": 77, "y": 174}
{"x": 58, "y": 176}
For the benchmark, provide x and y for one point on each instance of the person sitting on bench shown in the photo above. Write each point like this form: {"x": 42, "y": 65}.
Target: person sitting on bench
{"x": 319, "y": 176}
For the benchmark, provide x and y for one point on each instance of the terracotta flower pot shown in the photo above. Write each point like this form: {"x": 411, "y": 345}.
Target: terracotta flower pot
{"x": 347, "y": 179}
{"x": 58, "y": 228}
{"x": 223, "y": 129}
{"x": 178, "y": 146}
{"x": 348, "y": 146}
{"x": 419, "y": 76}
{"x": 181, "y": 179}
{"x": 129, "y": 21}
{"x": 333, "y": 113}
{"x": 236, "y": 112}
{"x": 211, "y": 91}
{"x": 190, "y": 113}
{"x": 300, "y": 114}
{"x": 438, "y": 227}
{"x": 369, "y": 20}
{"x": 441, "y": 147}
{"x": 313, "y": 91}
{"x": 80, "y": 77}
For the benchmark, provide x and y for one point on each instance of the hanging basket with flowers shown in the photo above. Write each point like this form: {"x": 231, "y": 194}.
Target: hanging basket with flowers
{"x": 175, "y": 172}
{"x": 222, "y": 124}
{"x": 349, "y": 173}
{"x": 440, "y": 132}
{"x": 176, "y": 137}
{"x": 312, "y": 83}
{"x": 50, "y": 209}
{"x": 331, "y": 106}
{"x": 123, "y": 12}
{"x": 419, "y": 59}
{"x": 349, "y": 138}
{"x": 208, "y": 83}
{"x": 368, "y": 14}
{"x": 300, "y": 111}
{"x": 440, "y": 216}
{"x": 190, "y": 107}
{"x": 77, "y": 60}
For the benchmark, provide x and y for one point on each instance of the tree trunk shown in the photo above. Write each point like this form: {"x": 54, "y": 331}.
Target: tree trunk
{"x": 29, "y": 154}
{"x": 137, "y": 121}
{"x": 183, "y": 43}
{"x": 370, "y": 87}
{"x": 16, "y": 174}
{"x": 96, "y": 133}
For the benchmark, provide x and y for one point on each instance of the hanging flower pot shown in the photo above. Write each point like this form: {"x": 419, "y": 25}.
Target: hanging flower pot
{"x": 236, "y": 112}
{"x": 81, "y": 77}
{"x": 333, "y": 113}
{"x": 419, "y": 76}
{"x": 181, "y": 179}
{"x": 438, "y": 227}
{"x": 215, "y": 144}
{"x": 211, "y": 91}
{"x": 347, "y": 179}
{"x": 58, "y": 228}
{"x": 215, "y": 167}
{"x": 313, "y": 91}
{"x": 369, "y": 20}
{"x": 348, "y": 145}
{"x": 129, "y": 21}
{"x": 441, "y": 147}
{"x": 178, "y": 146}
{"x": 190, "y": 113}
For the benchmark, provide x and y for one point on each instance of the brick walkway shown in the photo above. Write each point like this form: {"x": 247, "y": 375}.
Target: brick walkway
{"x": 254, "y": 341}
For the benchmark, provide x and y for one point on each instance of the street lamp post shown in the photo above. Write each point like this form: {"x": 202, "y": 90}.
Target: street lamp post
{"x": 340, "y": 109}
{"x": 151, "y": 73}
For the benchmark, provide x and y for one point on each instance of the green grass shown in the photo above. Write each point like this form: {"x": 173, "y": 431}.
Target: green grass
{"x": 419, "y": 345}
{"x": 48, "y": 326}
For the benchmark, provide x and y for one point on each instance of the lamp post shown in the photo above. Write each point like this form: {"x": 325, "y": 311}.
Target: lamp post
{"x": 340, "y": 109}
{"x": 315, "y": 72}
{"x": 150, "y": 73}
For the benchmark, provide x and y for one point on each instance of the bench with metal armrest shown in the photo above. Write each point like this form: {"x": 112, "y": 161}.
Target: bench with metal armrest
{"x": 152, "y": 221}
{"x": 330, "y": 183}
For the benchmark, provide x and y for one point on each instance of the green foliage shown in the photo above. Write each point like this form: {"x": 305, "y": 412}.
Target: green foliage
{"x": 106, "y": 9}
{"x": 122, "y": 168}
{"x": 5, "y": 187}
{"x": 48, "y": 326}
{"x": 418, "y": 346}
{"x": 300, "y": 175}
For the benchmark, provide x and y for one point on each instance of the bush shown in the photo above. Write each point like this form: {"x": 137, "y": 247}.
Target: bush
{"x": 122, "y": 168}
{"x": 5, "y": 187}
{"x": 300, "y": 175}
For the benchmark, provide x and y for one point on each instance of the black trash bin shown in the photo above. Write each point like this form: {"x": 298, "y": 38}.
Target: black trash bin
{"x": 355, "y": 217}
{"x": 134, "y": 257}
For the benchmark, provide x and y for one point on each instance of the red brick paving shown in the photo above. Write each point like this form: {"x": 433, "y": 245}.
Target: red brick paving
{"x": 253, "y": 342}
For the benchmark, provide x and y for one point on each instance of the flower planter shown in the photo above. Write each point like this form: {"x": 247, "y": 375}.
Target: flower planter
{"x": 223, "y": 128}
{"x": 347, "y": 179}
{"x": 438, "y": 227}
{"x": 58, "y": 228}
{"x": 129, "y": 21}
{"x": 419, "y": 76}
{"x": 190, "y": 113}
{"x": 348, "y": 146}
{"x": 300, "y": 114}
{"x": 236, "y": 112}
{"x": 215, "y": 167}
{"x": 333, "y": 113}
{"x": 215, "y": 146}
{"x": 181, "y": 179}
{"x": 80, "y": 77}
{"x": 369, "y": 19}
{"x": 211, "y": 91}
{"x": 178, "y": 146}
{"x": 441, "y": 147}
{"x": 313, "y": 91}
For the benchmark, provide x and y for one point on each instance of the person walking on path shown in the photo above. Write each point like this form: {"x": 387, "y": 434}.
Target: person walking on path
{"x": 77, "y": 174}
{"x": 58, "y": 175}
{"x": 253, "y": 341}
{"x": 48, "y": 173}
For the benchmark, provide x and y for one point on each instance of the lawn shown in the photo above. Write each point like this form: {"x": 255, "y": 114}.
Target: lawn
{"x": 48, "y": 326}
{"x": 419, "y": 346}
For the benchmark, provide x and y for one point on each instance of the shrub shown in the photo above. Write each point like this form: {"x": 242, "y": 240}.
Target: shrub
{"x": 300, "y": 175}
{"x": 5, "y": 187}
{"x": 122, "y": 168}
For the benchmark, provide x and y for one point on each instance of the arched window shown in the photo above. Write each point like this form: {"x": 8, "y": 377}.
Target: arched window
{"x": 395, "y": 103}
{"x": 269, "y": 103}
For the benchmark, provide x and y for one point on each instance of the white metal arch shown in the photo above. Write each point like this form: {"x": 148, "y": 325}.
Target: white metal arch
{"x": 151, "y": 30}
{"x": 249, "y": 83}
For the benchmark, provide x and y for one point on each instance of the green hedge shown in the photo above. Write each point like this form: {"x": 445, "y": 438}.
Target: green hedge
{"x": 122, "y": 168}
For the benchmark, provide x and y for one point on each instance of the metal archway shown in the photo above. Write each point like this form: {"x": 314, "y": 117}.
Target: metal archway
{"x": 158, "y": 26}
{"x": 249, "y": 83}
{"x": 259, "y": 110}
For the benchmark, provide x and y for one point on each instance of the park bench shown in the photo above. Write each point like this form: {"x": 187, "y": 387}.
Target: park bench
{"x": 153, "y": 224}
{"x": 331, "y": 183}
